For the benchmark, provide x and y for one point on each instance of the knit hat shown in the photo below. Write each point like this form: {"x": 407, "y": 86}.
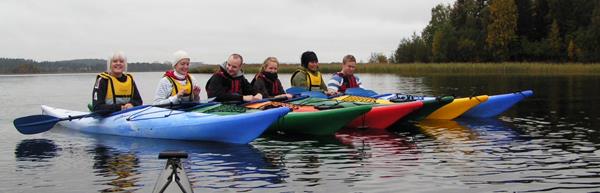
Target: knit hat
{"x": 308, "y": 56}
{"x": 178, "y": 56}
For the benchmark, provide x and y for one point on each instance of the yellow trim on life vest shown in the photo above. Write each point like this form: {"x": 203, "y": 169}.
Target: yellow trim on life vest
{"x": 117, "y": 89}
{"x": 177, "y": 86}
{"x": 312, "y": 80}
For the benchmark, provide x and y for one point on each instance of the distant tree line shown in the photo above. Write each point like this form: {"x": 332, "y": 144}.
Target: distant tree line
{"x": 507, "y": 30}
{"x": 25, "y": 66}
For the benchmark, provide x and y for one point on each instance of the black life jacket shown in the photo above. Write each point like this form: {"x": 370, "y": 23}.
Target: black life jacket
{"x": 272, "y": 86}
{"x": 235, "y": 84}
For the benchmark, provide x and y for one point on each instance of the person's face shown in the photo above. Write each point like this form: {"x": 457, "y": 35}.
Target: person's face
{"x": 183, "y": 66}
{"x": 117, "y": 66}
{"x": 234, "y": 66}
{"x": 348, "y": 68}
{"x": 314, "y": 66}
{"x": 271, "y": 67}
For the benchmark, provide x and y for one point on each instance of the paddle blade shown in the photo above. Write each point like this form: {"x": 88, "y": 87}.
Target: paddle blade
{"x": 360, "y": 92}
{"x": 295, "y": 90}
{"x": 314, "y": 94}
{"x": 35, "y": 124}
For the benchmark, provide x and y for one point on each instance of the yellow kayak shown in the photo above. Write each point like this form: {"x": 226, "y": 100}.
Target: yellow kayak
{"x": 457, "y": 107}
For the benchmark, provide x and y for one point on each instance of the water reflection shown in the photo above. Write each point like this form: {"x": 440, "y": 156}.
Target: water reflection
{"x": 374, "y": 143}
{"x": 36, "y": 154}
{"x": 352, "y": 157}
{"x": 120, "y": 170}
{"x": 302, "y": 153}
{"x": 483, "y": 152}
{"x": 210, "y": 166}
{"x": 491, "y": 130}
{"x": 36, "y": 150}
{"x": 449, "y": 135}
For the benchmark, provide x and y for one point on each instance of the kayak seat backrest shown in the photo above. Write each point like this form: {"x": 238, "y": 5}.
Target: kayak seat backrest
{"x": 227, "y": 108}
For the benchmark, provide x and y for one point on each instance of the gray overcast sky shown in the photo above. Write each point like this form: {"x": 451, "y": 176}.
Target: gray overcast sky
{"x": 151, "y": 30}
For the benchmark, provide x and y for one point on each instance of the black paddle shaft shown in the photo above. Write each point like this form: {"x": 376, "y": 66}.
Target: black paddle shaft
{"x": 172, "y": 155}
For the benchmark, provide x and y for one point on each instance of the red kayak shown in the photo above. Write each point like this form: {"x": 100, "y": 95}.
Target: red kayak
{"x": 383, "y": 116}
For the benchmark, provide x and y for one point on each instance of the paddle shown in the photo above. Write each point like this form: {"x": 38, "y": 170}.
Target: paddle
{"x": 295, "y": 90}
{"x": 360, "y": 92}
{"x": 303, "y": 92}
{"x": 40, "y": 123}
{"x": 34, "y": 124}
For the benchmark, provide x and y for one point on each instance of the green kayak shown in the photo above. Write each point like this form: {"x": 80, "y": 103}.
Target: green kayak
{"x": 308, "y": 120}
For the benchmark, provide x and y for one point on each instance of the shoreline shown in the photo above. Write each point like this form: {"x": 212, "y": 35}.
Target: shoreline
{"x": 440, "y": 68}
{"x": 413, "y": 69}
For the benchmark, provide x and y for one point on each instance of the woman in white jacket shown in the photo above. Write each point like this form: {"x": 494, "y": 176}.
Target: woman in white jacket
{"x": 177, "y": 85}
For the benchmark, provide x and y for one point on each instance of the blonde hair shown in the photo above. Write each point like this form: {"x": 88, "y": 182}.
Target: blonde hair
{"x": 116, "y": 55}
{"x": 266, "y": 62}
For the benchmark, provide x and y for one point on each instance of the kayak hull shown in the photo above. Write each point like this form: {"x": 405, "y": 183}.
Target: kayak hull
{"x": 497, "y": 104}
{"x": 457, "y": 107}
{"x": 154, "y": 122}
{"x": 383, "y": 116}
{"x": 324, "y": 122}
{"x": 429, "y": 106}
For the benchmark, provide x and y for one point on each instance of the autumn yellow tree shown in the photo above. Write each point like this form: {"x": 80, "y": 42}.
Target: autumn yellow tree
{"x": 501, "y": 30}
{"x": 554, "y": 41}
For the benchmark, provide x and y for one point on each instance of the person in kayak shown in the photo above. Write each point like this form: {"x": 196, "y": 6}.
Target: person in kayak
{"x": 177, "y": 85}
{"x": 266, "y": 81}
{"x": 308, "y": 76}
{"x": 340, "y": 81}
{"x": 115, "y": 89}
{"x": 228, "y": 84}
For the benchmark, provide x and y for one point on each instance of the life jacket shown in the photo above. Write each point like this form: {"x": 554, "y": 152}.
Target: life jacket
{"x": 177, "y": 86}
{"x": 312, "y": 80}
{"x": 274, "y": 90}
{"x": 348, "y": 82}
{"x": 117, "y": 92}
{"x": 235, "y": 86}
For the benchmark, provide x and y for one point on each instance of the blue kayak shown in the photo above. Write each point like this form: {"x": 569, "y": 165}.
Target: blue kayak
{"x": 497, "y": 104}
{"x": 155, "y": 122}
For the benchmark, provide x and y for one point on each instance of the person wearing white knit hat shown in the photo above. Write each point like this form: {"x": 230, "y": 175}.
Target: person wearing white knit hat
{"x": 177, "y": 85}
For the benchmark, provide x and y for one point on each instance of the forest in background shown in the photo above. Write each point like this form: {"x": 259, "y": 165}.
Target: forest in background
{"x": 506, "y": 31}
{"x": 468, "y": 31}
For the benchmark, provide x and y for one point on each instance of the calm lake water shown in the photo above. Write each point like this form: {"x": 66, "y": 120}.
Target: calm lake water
{"x": 549, "y": 142}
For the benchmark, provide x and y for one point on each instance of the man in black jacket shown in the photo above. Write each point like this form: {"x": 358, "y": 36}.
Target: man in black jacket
{"x": 229, "y": 83}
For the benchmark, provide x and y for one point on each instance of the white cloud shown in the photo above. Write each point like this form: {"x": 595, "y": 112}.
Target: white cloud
{"x": 208, "y": 30}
